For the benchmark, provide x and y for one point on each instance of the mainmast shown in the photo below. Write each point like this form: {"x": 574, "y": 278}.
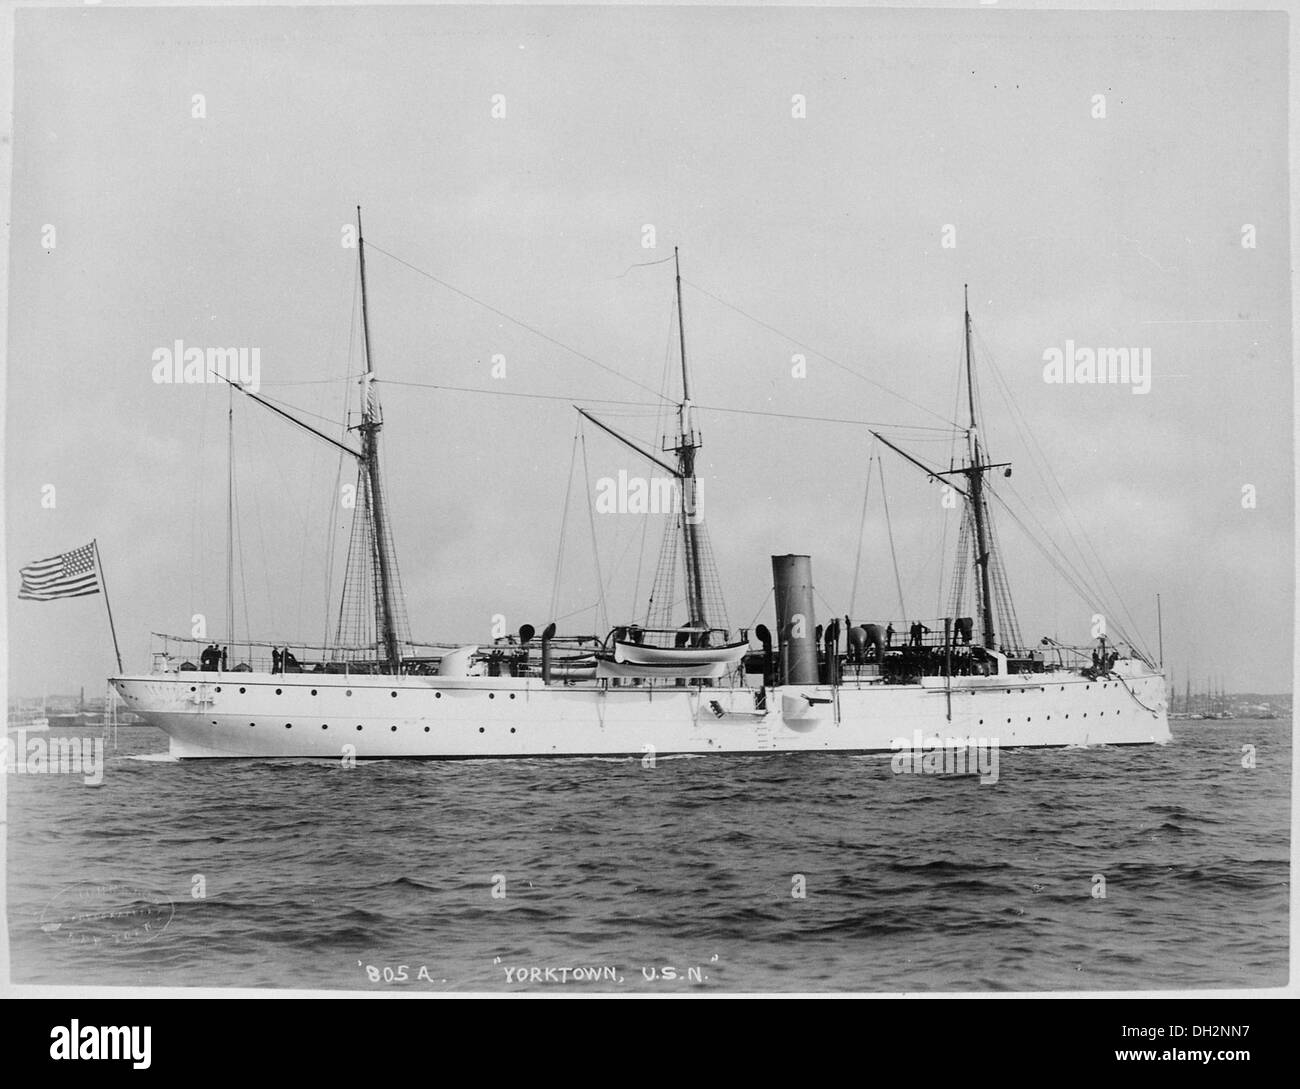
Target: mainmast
{"x": 371, "y": 423}
{"x": 705, "y": 608}
{"x": 230, "y": 514}
{"x": 687, "y": 444}
{"x": 976, "y": 475}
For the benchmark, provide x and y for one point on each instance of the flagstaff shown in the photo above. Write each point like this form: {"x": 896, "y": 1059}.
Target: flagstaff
{"x": 103, "y": 583}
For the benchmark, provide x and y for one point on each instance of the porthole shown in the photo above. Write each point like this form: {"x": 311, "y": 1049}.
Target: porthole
{"x": 492, "y": 695}
{"x": 1008, "y": 720}
{"x": 393, "y": 728}
{"x": 393, "y": 694}
{"x": 512, "y": 729}
{"x": 358, "y": 726}
{"x": 214, "y": 722}
{"x": 437, "y": 695}
{"x": 288, "y": 725}
{"x": 242, "y": 691}
{"x": 348, "y": 692}
{"x": 323, "y": 726}
{"x": 1085, "y": 714}
{"x": 981, "y": 722}
{"x": 512, "y": 695}
{"x": 193, "y": 689}
{"x": 313, "y": 691}
{"x": 218, "y": 688}
{"x": 278, "y": 691}
{"x": 480, "y": 729}
{"x": 1049, "y": 718}
{"x": 251, "y": 725}
{"x": 426, "y": 729}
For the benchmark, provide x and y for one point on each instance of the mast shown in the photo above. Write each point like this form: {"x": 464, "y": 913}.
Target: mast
{"x": 230, "y": 515}
{"x": 685, "y": 450}
{"x": 371, "y": 424}
{"x": 976, "y": 474}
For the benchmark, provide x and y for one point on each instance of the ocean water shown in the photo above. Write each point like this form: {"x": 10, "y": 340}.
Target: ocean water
{"x": 579, "y": 875}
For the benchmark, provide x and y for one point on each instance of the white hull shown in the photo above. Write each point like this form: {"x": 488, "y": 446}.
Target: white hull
{"x": 321, "y": 715}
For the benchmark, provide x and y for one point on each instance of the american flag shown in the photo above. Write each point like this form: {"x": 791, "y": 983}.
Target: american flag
{"x": 72, "y": 574}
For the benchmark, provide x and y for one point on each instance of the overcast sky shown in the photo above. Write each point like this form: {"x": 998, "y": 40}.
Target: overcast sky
{"x": 225, "y": 230}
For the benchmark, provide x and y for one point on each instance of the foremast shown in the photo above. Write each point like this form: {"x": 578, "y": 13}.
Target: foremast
{"x": 975, "y": 474}
{"x": 383, "y": 552}
{"x": 372, "y": 558}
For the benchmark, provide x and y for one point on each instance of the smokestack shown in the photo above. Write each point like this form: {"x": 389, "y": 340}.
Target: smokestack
{"x": 795, "y": 623}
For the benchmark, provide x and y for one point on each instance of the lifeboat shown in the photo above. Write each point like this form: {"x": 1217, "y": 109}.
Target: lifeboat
{"x": 728, "y": 654}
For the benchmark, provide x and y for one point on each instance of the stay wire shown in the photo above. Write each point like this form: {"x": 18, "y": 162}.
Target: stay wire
{"x": 510, "y": 318}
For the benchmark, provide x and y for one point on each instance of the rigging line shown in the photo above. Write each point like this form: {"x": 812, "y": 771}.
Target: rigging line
{"x": 667, "y": 410}
{"x": 300, "y": 411}
{"x": 808, "y": 348}
{"x": 761, "y": 606}
{"x": 1088, "y": 576}
{"x": 956, "y": 404}
{"x": 595, "y": 550}
{"x": 884, "y": 493}
{"x": 305, "y": 534}
{"x": 1034, "y": 445}
{"x": 938, "y": 550}
{"x": 862, "y": 529}
{"x": 331, "y": 556}
{"x": 243, "y": 567}
{"x": 1085, "y": 594}
{"x": 576, "y": 612}
{"x": 831, "y": 613}
{"x": 663, "y": 417}
{"x": 564, "y": 520}
{"x": 1085, "y": 577}
{"x": 330, "y": 547}
{"x": 1090, "y": 592}
{"x": 197, "y": 563}
{"x": 952, "y": 464}
{"x": 509, "y": 318}
{"x": 642, "y": 264}
{"x": 627, "y": 547}
{"x": 257, "y": 423}
{"x": 640, "y": 560}
{"x": 943, "y": 551}
{"x": 311, "y": 381}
